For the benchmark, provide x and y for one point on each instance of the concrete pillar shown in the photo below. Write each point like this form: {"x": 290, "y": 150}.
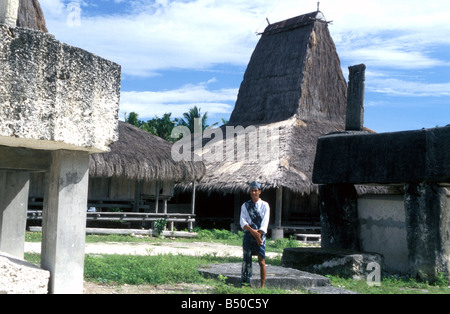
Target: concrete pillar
{"x": 277, "y": 231}
{"x": 64, "y": 221}
{"x": 9, "y": 11}
{"x": 339, "y": 217}
{"x": 14, "y": 187}
{"x": 428, "y": 229}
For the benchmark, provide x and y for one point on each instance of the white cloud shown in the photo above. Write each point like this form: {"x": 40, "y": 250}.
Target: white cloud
{"x": 150, "y": 104}
{"x": 397, "y": 87}
{"x": 162, "y": 35}
{"x": 158, "y": 35}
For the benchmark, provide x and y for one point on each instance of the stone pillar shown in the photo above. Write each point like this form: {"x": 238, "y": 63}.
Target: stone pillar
{"x": 355, "y": 98}
{"x": 339, "y": 217}
{"x": 9, "y": 10}
{"x": 64, "y": 221}
{"x": 14, "y": 187}
{"x": 428, "y": 229}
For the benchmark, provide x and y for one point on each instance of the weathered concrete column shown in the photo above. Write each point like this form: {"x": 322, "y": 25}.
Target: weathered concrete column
{"x": 428, "y": 229}
{"x": 339, "y": 217}
{"x": 9, "y": 10}
{"x": 64, "y": 221}
{"x": 14, "y": 187}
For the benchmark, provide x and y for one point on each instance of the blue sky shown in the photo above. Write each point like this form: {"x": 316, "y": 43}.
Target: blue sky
{"x": 179, "y": 53}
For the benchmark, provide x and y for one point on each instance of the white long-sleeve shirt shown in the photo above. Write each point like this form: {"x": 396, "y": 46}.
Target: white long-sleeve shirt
{"x": 263, "y": 209}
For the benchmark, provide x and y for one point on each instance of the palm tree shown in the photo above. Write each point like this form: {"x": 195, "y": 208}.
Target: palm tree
{"x": 192, "y": 116}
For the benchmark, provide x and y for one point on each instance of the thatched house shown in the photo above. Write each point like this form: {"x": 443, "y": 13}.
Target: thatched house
{"x": 295, "y": 89}
{"x": 137, "y": 175}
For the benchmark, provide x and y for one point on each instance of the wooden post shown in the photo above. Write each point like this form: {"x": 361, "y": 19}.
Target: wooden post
{"x": 235, "y": 226}
{"x": 194, "y": 185}
{"x": 137, "y": 196}
{"x": 278, "y": 232}
{"x": 157, "y": 198}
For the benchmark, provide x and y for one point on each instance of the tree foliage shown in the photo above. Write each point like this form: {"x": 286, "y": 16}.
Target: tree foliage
{"x": 190, "y": 116}
{"x": 164, "y": 126}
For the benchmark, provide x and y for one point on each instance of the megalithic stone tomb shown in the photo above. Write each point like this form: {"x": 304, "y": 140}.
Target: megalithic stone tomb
{"x": 58, "y": 104}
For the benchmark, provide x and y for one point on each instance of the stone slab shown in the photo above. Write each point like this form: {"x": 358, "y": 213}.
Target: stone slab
{"x": 20, "y": 277}
{"x": 277, "y": 277}
{"x": 54, "y": 96}
{"x": 386, "y": 158}
{"x": 341, "y": 263}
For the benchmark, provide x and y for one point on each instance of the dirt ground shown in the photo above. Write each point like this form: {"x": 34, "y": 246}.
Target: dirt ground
{"x": 156, "y": 248}
{"x": 95, "y": 288}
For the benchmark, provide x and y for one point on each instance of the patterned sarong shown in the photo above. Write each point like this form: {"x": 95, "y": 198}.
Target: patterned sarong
{"x": 250, "y": 245}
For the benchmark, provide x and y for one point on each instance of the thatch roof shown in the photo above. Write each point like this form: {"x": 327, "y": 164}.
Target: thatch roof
{"x": 293, "y": 82}
{"x": 294, "y": 71}
{"x": 140, "y": 155}
{"x": 293, "y": 168}
{"x": 31, "y": 15}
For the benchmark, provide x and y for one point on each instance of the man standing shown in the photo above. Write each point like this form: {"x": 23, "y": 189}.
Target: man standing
{"x": 255, "y": 215}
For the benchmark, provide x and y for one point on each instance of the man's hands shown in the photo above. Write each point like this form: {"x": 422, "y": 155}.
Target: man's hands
{"x": 257, "y": 234}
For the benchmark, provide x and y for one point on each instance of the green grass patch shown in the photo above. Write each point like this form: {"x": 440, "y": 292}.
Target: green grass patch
{"x": 173, "y": 269}
{"x": 138, "y": 270}
{"x": 392, "y": 285}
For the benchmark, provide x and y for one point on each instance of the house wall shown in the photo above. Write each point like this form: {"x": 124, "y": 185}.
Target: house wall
{"x": 121, "y": 190}
{"x": 383, "y": 229}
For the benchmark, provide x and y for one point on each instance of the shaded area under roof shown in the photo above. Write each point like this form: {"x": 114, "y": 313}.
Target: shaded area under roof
{"x": 140, "y": 155}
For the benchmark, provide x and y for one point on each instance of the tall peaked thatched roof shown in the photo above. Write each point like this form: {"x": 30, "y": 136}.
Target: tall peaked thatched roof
{"x": 140, "y": 155}
{"x": 31, "y": 15}
{"x": 294, "y": 70}
{"x": 293, "y": 83}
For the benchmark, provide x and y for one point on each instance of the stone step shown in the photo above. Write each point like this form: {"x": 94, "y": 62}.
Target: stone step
{"x": 277, "y": 278}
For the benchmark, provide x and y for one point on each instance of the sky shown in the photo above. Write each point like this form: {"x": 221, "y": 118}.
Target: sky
{"x": 176, "y": 54}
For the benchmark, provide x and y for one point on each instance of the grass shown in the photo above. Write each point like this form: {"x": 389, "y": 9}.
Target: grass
{"x": 159, "y": 270}
{"x": 392, "y": 285}
{"x": 173, "y": 269}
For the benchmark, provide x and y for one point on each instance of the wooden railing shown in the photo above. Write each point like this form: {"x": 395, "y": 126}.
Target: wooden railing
{"x": 130, "y": 217}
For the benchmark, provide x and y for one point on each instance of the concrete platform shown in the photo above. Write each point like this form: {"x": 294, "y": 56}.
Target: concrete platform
{"x": 277, "y": 277}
